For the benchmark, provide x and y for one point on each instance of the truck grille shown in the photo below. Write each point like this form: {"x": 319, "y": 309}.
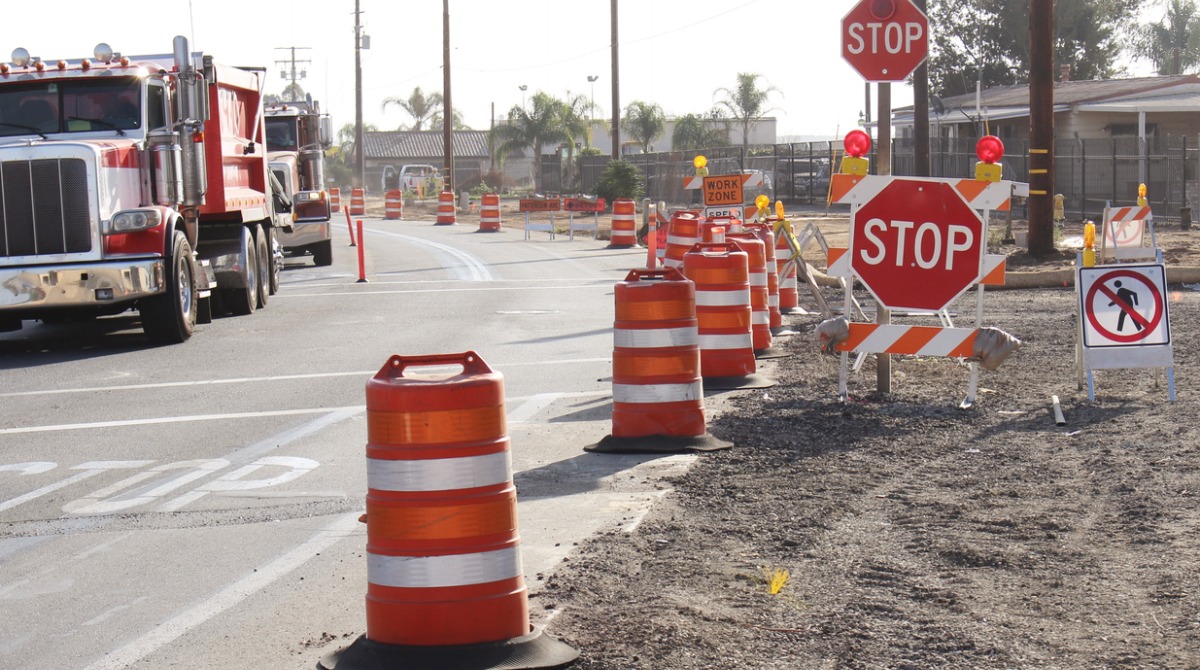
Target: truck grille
{"x": 44, "y": 207}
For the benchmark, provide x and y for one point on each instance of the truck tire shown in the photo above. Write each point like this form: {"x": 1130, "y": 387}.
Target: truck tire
{"x": 276, "y": 259}
{"x": 262, "y": 249}
{"x": 323, "y": 253}
{"x": 243, "y": 301}
{"x": 170, "y": 318}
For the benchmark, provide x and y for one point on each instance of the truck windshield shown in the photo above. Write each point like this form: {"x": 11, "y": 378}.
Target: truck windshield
{"x": 70, "y": 105}
{"x": 281, "y": 134}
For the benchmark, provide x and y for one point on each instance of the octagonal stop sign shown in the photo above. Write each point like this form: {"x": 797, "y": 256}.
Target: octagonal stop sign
{"x": 885, "y": 40}
{"x": 917, "y": 245}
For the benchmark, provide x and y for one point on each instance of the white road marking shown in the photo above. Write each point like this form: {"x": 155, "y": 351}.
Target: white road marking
{"x": 533, "y": 405}
{"x": 368, "y": 290}
{"x": 90, "y": 470}
{"x": 174, "y": 419}
{"x": 161, "y": 635}
{"x": 469, "y": 267}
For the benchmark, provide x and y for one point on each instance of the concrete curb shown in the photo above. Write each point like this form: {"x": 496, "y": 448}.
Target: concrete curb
{"x": 1045, "y": 278}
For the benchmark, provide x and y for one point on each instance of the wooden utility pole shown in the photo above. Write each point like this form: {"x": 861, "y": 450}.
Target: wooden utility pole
{"x": 1041, "y": 127}
{"x": 447, "y": 106}
{"x": 921, "y": 114}
{"x": 616, "y": 89}
{"x": 359, "y": 157}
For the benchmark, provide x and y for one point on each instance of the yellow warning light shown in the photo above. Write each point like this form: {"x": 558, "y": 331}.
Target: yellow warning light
{"x": 1141, "y": 201}
{"x": 779, "y": 209}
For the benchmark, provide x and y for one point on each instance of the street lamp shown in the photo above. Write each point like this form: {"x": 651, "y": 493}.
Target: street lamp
{"x": 523, "y": 88}
{"x": 592, "y": 80}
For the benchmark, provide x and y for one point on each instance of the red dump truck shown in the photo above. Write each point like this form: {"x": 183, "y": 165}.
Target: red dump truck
{"x": 297, "y": 136}
{"x": 135, "y": 182}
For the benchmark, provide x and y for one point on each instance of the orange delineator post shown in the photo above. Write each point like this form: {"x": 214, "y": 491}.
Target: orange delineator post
{"x": 446, "y": 213}
{"x": 350, "y": 226}
{"x": 624, "y": 229}
{"x": 362, "y": 263}
{"x": 393, "y": 204}
{"x": 489, "y": 213}
{"x": 358, "y": 202}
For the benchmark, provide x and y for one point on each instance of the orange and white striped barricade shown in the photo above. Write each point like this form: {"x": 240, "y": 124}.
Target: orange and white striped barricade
{"x": 683, "y": 232}
{"x": 624, "y": 227}
{"x": 721, "y": 272}
{"x": 789, "y": 287}
{"x": 658, "y": 394}
{"x": 444, "y": 578}
{"x": 335, "y": 199}
{"x": 763, "y": 232}
{"x": 358, "y": 201}
{"x": 489, "y": 213}
{"x": 393, "y": 204}
{"x": 447, "y": 214}
{"x": 1125, "y": 234}
{"x": 528, "y": 206}
{"x": 760, "y": 318}
{"x": 583, "y": 205}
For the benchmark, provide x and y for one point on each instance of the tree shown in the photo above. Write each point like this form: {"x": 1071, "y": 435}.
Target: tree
{"x": 988, "y": 41}
{"x": 438, "y": 121}
{"x": 340, "y": 163}
{"x": 694, "y": 132}
{"x": 620, "y": 179}
{"x": 576, "y": 122}
{"x": 418, "y": 105}
{"x": 1173, "y": 44}
{"x": 533, "y": 127}
{"x": 746, "y": 103}
{"x": 644, "y": 122}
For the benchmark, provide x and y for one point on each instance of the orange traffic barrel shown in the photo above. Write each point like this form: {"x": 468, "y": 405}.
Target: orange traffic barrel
{"x": 446, "y": 213}
{"x": 759, "y": 296}
{"x": 658, "y": 394}
{"x": 489, "y": 213}
{"x": 624, "y": 228}
{"x": 764, "y": 232}
{"x": 358, "y": 202}
{"x": 683, "y": 232}
{"x": 444, "y": 574}
{"x": 728, "y": 224}
{"x": 335, "y": 199}
{"x": 789, "y": 287}
{"x": 393, "y": 204}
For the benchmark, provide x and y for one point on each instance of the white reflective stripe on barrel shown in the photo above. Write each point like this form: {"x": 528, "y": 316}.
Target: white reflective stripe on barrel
{"x": 655, "y": 393}
{"x": 760, "y": 317}
{"x": 738, "y": 341}
{"x": 419, "y": 572}
{"x": 734, "y": 298}
{"x": 652, "y": 339}
{"x": 440, "y": 474}
{"x": 677, "y": 239}
{"x": 758, "y": 279}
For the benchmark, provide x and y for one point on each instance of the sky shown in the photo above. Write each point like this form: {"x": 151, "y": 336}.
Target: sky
{"x": 675, "y": 53}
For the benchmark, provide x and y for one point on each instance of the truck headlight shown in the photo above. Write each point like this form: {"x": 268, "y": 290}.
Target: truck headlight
{"x": 133, "y": 220}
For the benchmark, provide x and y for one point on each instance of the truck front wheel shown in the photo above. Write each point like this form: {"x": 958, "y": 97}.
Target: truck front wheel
{"x": 262, "y": 249}
{"x": 170, "y": 318}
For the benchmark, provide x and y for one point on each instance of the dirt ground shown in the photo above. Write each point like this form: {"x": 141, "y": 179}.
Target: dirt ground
{"x": 915, "y": 534}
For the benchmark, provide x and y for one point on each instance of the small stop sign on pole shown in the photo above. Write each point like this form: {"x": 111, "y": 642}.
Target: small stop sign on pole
{"x": 917, "y": 245}
{"x": 885, "y": 40}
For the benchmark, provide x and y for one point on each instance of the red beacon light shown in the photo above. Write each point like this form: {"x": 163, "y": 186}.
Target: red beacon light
{"x": 857, "y": 144}
{"x": 990, "y": 150}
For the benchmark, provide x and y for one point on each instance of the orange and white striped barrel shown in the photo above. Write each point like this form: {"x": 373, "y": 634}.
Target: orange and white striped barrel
{"x": 721, "y": 272}
{"x": 764, "y": 232}
{"x": 683, "y": 232}
{"x": 358, "y": 202}
{"x": 489, "y": 213}
{"x": 657, "y": 388}
{"x": 789, "y": 286}
{"x": 443, "y": 554}
{"x": 393, "y": 204}
{"x": 335, "y": 199}
{"x": 624, "y": 228}
{"x": 759, "y": 295}
{"x": 728, "y": 224}
{"x": 447, "y": 215}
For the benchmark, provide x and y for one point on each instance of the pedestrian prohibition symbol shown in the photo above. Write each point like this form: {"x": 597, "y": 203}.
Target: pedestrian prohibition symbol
{"x": 1124, "y": 306}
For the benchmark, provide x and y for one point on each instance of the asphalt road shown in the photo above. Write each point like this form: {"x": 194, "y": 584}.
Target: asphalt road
{"x": 196, "y": 506}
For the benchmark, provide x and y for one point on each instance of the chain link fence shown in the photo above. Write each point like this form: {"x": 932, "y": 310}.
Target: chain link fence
{"x": 1088, "y": 173}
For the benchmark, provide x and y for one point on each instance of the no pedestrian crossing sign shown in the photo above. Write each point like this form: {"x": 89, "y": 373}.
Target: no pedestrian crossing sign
{"x": 1124, "y": 306}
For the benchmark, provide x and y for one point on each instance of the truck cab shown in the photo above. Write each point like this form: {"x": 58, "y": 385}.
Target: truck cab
{"x": 297, "y": 136}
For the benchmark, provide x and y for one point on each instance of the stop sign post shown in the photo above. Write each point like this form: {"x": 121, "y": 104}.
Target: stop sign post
{"x": 917, "y": 245}
{"x": 885, "y": 40}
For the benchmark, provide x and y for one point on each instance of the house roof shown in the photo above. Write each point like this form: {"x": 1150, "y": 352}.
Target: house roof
{"x": 1150, "y": 94}
{"x": 423, "y": 144}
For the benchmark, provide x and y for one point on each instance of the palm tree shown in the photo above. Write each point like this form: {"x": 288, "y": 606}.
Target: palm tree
{"x": 694, "y": 132}
{"x": 1173, "y": 44}
{"x": 438, "y": 121}
{"x": 535, "y": 127}
{"x": 418, "y": 105}
{"x": 747, "y": 103}
{"x": 644, "y": 122}
{"x": 576, "y": 123}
